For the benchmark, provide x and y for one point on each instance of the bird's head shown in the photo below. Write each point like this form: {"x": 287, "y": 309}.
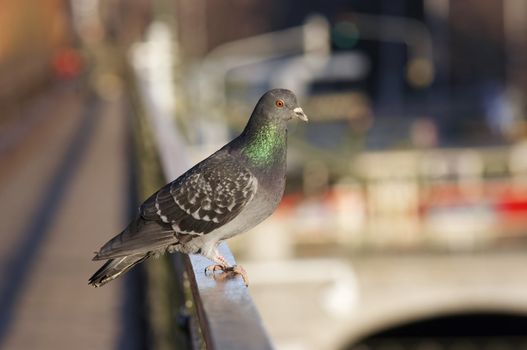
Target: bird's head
{"x": 281, "y": 104}
{"x": 264, "y": 138}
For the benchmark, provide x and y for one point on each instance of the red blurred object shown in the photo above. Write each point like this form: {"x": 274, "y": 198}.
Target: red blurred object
{"x": 513, "y": 201}
{"x": 67, "y": 63}
{"x": 514, "y": 206}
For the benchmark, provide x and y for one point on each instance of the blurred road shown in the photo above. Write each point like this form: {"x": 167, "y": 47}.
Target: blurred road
{"x": 63, "y": 193}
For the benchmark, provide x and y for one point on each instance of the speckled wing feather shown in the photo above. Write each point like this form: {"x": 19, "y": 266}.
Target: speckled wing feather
{"x": 205, "y": 198}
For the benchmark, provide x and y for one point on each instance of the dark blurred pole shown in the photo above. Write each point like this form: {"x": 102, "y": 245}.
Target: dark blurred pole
{"x": 391, "y": 61}
{"x": 437, "y": 18}
{"x": 478, "y": 73}
{"x": 134, "y": 329}
{"x": 515, "y": 23}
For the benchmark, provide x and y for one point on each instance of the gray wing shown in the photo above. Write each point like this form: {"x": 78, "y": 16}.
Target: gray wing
{"x": 205, "y": 198}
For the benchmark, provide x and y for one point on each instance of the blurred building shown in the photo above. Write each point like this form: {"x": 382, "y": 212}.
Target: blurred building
{"x": 30, "y": 38}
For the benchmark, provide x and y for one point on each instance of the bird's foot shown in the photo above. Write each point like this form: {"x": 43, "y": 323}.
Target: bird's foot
{"x": 228, "y": 272}
{"x": 238, "y": 270}
{"x": 213, "y": 268}
{"x": 221, "y": 265}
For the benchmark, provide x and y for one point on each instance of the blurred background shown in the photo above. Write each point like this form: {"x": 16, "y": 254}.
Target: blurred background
{"x": 404, "y": 222}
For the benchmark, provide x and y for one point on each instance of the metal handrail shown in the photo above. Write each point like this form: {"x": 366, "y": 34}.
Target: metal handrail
{"x": 226, "y": 313}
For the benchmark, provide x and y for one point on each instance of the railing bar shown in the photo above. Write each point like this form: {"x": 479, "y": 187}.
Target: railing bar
{"x": 228, "y": 317}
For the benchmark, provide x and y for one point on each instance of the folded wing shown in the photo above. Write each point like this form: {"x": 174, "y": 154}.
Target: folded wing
{"x": 203, "y": 199}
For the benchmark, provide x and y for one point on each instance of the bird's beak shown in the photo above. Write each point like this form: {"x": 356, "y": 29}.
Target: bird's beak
{"x": 300, "y": 114}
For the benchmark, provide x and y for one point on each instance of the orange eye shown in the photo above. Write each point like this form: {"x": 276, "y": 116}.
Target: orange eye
{"x": 279, "y": 103}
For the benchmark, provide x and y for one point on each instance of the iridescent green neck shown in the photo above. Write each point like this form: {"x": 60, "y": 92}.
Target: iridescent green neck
{"x": 266, "y": 145}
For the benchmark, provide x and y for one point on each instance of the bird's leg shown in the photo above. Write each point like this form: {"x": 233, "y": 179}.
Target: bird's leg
{"x": 223, "y": 265}
{"x": 229, "y": 271}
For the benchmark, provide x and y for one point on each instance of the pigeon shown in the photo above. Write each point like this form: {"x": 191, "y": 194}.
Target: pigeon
{"x": 226, "y": 194}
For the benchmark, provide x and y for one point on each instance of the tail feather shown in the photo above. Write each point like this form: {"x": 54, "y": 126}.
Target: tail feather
{"x": 114, "y": 268}
{"x": 139, "y": 237}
